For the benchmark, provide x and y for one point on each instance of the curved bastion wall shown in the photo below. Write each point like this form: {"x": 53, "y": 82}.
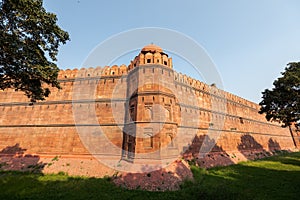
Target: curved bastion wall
{"x": 123, "y": 100}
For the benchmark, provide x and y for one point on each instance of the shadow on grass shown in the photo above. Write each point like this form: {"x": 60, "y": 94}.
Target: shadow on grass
{"x": 248, "y": 180}
{"x": 20, "y": 185}
{"x": 290, "y": 161}
{"x": 269, "y": 178}
{"x": 23, "y": 185}
{"x": 288, "y": 158}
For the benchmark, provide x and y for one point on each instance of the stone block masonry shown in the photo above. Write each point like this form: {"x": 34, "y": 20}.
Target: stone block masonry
{"x": 142, "y": 112}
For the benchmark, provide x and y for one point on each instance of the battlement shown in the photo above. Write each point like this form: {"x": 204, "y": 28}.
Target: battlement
{"x": 212, "y": 89}
{"x": 93, "y": 72}
{"x": 180, "y": 78}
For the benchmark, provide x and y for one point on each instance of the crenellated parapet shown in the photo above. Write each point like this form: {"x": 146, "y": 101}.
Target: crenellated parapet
{"x": 93, "y": 72}
{"x": 196, "y": 84}
{"x": 68, "y": 73}
{"x": 212, "y": 89}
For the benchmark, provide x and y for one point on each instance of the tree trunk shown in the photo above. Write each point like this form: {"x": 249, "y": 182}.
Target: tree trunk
{"x": 292, "y": 136}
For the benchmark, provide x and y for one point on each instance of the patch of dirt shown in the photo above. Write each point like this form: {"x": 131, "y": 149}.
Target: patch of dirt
{"x": 168, "y": 178}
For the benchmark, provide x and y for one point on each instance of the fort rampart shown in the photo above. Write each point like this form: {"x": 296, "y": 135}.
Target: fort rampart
{"x": 123, "y": 99}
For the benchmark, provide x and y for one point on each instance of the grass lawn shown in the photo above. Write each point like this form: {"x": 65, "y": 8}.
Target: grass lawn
{"x": 275, "y": 177}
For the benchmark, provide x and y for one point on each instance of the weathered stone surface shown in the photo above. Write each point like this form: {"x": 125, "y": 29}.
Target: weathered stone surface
{"x": 147, "y": 109}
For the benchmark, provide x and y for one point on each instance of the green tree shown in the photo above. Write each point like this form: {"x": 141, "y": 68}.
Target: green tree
{"x": 282, "y": 103}
{"x": 29, "y": 41}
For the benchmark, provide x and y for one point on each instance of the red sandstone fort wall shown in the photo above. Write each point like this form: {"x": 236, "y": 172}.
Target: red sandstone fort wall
{"x": 236, "y": 122}
{"x": 47, "y": 128}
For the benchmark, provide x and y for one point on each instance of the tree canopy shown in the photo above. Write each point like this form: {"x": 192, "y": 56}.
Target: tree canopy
{"x": 282, "y": 103}
{"x": 29, "y": 42}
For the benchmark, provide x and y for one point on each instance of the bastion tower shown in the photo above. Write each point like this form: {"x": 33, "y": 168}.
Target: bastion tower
{"x": 151, "y": 116}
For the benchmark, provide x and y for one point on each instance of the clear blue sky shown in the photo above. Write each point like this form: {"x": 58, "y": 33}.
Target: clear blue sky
{"x": 250, "y": 42}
